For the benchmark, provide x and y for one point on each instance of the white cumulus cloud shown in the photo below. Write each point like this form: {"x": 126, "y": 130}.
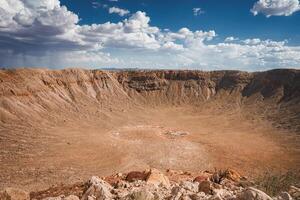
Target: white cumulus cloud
{"x": 230, "y": 39}
{"x": 45, "y": 33}
{"x": 276, "y": 7}
{"x": 119, "y": 11}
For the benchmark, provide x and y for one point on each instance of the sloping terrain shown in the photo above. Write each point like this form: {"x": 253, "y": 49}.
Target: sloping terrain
{"x": 67, "y": 125}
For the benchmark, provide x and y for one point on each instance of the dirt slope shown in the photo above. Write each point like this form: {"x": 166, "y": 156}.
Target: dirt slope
{"x": 64, "y": 125}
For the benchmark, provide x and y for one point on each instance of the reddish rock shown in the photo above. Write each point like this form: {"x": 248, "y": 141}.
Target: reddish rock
{"x": 206, "y": 187}
{"x": 135, "y": 176}
{"x": 157, "y": 178}
{"x": 232, "y": 175}
{"x": 201, "y": 178}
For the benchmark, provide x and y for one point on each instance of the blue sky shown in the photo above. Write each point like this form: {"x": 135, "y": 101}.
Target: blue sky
{"x": 250, "y": 35}
{"x": 230, "y": 17}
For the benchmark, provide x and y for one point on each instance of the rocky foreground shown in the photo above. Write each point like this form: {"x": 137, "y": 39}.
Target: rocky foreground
{"x": 154, "y": 185}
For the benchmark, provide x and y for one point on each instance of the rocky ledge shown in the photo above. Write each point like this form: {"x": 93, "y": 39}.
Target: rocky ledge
{"x": 154, "y": 185}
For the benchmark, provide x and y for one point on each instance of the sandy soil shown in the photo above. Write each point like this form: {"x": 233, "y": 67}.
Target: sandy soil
{"x": 176, "y": 137}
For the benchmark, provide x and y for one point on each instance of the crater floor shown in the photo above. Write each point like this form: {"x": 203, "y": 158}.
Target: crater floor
{"x": 140, "y": 138}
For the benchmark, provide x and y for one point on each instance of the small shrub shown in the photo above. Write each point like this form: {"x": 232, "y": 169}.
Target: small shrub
{"x": 273, "y": 182}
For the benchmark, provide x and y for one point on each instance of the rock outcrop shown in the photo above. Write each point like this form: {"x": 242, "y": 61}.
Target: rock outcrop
{"x": 182, "y": 189}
